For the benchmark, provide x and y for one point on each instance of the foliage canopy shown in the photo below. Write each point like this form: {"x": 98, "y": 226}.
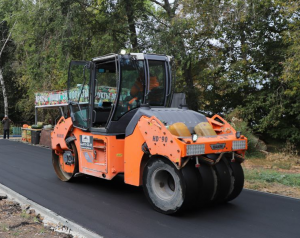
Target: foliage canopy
{"x": 240, "y": 55}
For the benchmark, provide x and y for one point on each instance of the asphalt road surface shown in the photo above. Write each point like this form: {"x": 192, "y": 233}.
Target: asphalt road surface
{"x": 114, "y": 209}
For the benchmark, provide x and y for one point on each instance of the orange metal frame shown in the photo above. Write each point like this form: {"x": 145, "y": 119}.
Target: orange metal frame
{"x": 110, "y": 156}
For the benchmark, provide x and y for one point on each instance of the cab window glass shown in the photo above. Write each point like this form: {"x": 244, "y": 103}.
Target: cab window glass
{"x": 132, "y": 86}
{"x": 106, "y": 86}
{"x": 157, "y": 82}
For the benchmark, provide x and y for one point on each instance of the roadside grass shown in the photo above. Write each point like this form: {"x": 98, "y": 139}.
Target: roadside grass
{"x": 274, "y": 172}
{"x": 4, "y": 227}
{"x": 266, "y": 176}
{"x": 25, "y": 215}
{"x": 17, "y": 233}
{"x": 42, "y": 231}
{"x": 281, "y": 165}
{"x": 255, "y": 154}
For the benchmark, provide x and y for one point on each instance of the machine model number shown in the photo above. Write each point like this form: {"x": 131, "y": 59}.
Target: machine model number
{"x": 162, "y": 138}
{"x": 60, "y": 135}
{"x": 217, "y": 146}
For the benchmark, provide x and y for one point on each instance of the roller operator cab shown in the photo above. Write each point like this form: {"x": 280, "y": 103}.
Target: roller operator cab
{"x": 120, "y": 122}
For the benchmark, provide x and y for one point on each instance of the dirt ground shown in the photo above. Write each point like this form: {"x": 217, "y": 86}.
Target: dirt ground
{"x": 275, "y": 188}
{"x": 15, "y": 222}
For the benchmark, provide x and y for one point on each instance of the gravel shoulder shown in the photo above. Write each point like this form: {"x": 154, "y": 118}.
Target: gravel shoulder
{"x": 17, "y": 221}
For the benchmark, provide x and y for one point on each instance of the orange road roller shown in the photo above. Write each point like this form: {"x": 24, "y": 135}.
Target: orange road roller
{"x": 119, "y": 120}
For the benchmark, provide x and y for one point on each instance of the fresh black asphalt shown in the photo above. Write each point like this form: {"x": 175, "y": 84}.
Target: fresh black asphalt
{"x": 116, "y": 210}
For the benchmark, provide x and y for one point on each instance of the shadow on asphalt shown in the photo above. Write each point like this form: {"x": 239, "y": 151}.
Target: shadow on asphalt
{"x": 118, "y": 188}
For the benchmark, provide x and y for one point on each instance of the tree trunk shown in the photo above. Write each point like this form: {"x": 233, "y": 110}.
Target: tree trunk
{"x": 192, "y": 96}
{"x": 1, "y": 74}
{"x": 131, "y": 23}
{"x": 192, "y": 93}
{"x": 4, "y": 92}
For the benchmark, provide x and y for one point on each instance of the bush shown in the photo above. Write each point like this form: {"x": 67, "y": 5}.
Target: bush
{"x": 255, "y": 145}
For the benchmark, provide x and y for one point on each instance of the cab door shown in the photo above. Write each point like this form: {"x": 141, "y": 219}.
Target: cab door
{"x": 79, "y": 84}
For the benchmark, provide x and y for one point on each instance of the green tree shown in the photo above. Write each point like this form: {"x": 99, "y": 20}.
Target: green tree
{"x": 184, "y": 29}
{"x": 7, "y": 49}
{"x": 287, "y": 94}
{"x": 229, "y": 54}
{"x": 254, "y": 55}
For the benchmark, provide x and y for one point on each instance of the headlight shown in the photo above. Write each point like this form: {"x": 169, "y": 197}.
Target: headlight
{"x": 195, "y": 149}
{"x": 239, "y": 145}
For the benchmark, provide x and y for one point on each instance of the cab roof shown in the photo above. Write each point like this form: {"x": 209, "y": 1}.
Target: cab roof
{"x": 139, "y": 56}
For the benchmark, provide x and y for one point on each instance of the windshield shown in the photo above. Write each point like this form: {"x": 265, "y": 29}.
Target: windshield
{"x": 105, "y": 92}
{"x": 132, "y": 86}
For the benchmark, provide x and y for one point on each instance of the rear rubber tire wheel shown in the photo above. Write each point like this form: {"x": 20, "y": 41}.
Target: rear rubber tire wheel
{"x": 164, "y": 186}
{"x": 225, "y": 181}
{"x": 238, "y": 184}
{"x": 56, "y": 161}
{"x": 194, "y": 191}
{"x": 208, "y": 184}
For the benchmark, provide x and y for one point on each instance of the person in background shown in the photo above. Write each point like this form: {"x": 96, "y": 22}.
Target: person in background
{"x": 6, "y": 124}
